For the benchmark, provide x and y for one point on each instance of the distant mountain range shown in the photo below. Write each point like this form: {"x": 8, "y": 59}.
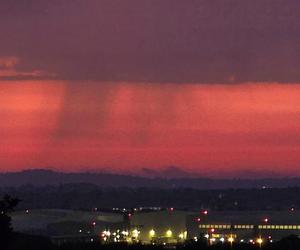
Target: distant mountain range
{"x": 49, "y": 177}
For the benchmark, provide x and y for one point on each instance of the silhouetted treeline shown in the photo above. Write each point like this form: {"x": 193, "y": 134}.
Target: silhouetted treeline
{"x": 172, "y": 178}
{"x": 88, "y": 196}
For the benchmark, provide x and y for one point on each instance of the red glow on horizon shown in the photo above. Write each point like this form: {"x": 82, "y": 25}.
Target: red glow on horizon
{"x": 211, "y": 129}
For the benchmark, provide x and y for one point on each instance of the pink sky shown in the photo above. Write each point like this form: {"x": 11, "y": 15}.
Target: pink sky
{"x": 127, "y": 84}
{"x": 211, "y": 129}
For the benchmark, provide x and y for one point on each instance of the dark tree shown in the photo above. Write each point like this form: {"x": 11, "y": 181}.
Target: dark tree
{"x": 7, "y": 205}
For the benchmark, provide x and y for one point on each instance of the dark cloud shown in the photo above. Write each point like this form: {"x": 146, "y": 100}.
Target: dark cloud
{"x": 8, "y": 71}
{"x": 157, "y": 40}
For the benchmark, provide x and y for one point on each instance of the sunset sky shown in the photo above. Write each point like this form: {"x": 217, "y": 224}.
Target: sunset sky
{"x": 208, "y": 86}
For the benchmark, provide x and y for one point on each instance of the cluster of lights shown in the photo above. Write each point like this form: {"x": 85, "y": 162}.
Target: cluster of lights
{"x": 231, "y": 239}
{"x": 135, "y": 233}
{"x": 169, "y": 234}
{"x": 137, "y": 209}
{"x": 133, "y": 236}
{"x": 116, "y": 236}
{"x": 81, "y": 231}
{"x": 120, "y": 209}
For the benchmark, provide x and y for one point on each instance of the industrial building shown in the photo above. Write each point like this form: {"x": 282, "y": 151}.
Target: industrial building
{"x": 243, "y": 226}
{"x": 165, "y": 226}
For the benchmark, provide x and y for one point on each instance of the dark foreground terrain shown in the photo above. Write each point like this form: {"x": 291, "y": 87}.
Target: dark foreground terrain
{"x": 25, "y": 242}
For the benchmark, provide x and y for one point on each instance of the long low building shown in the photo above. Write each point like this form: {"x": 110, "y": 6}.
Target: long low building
{"x": 243, "y": 226}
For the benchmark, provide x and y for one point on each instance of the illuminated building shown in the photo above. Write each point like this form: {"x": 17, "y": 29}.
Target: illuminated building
{"x": 243, "y": 226}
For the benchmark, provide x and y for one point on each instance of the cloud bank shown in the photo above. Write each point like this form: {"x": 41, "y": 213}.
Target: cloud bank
{"x": 155, "y": 41}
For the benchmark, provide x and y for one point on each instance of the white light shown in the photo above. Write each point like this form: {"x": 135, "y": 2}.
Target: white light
{"x": 125, "y": 233}
{"x": 107, "y": 233}
{"x": 222, "y": 239}
{"x": 135, "y": 233}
